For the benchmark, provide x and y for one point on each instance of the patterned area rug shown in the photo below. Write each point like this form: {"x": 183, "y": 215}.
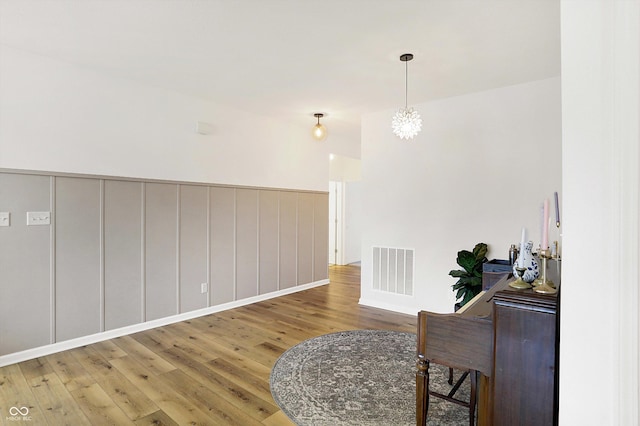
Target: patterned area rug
{"x": 361, "y": 377}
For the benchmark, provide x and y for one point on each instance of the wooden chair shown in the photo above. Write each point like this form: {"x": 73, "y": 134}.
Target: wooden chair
{"x": 423, "y": 367}
{"x": 451, "y": 395}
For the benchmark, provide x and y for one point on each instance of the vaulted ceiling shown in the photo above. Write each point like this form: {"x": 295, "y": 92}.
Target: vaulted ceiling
{"x": 291, "y": 58}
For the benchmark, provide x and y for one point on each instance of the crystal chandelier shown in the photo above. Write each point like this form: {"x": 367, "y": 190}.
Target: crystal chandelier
{"x": 407, "y": 122}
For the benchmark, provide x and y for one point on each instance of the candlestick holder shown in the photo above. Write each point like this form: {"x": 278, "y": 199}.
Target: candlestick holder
{"x": 556, "y": 250}
{"x": 519, "y": 283}
{"x": 546, "y": 286}
{"x": 538, "y": 280}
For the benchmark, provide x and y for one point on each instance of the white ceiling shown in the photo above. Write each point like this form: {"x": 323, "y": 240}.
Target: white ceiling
{"x": 291, "y": 58}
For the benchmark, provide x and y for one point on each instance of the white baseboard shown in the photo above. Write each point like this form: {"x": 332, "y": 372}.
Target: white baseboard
{"x": 389, "y": 307}
{"x": 106, "y": 335}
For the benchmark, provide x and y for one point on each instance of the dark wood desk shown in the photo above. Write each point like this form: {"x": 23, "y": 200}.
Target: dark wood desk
{"x": 508, "y": 339}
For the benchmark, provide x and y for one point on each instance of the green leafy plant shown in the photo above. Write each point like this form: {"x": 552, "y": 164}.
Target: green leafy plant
{"x": 470, "y": 276}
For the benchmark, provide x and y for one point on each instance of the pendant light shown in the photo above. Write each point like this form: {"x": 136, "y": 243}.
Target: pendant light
{"x": 318, "y": 131}
{"x": 406, "y": 122}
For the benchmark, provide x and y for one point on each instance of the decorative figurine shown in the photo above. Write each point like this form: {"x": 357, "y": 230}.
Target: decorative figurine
{"x": 527, "y": 261}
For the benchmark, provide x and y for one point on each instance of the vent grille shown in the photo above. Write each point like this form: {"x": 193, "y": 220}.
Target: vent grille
{"x": 393, "y": 270}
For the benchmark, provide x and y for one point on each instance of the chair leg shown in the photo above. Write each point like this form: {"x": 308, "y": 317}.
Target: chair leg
{"x": 422, "y": 391}
{"x": 455, "y": 388}
{"x": 472, "y": 401}
{"x": 423, "y": 388}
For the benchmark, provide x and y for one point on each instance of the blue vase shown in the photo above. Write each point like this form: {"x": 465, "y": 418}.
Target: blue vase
{"x": 532, "y": 272}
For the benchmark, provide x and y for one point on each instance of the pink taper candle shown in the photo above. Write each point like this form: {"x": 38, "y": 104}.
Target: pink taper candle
{"x": 545, "y": 225}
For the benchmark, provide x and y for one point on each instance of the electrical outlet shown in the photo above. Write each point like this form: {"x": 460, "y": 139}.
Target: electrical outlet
{"x": 204, "y": 288}
{"x": 38, "y": 218}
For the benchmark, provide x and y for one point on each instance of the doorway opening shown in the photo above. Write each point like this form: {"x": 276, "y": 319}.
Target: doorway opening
{"x": 345, "y": 216}
{"x": 336, "y": 191}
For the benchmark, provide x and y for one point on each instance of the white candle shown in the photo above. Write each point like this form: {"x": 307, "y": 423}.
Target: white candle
{"x": 522, "y": 244}
{"x": 545, "y": 225}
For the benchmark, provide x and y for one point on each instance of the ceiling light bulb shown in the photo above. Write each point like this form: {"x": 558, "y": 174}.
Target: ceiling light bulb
{"x": 319, "y": 132}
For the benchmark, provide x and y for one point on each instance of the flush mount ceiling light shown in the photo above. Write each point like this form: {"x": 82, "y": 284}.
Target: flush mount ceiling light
{"x": 407, "y": 122}
{"x": 319, "y": 132}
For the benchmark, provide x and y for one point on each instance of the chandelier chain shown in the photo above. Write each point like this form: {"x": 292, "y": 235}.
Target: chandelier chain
{"x": 406, "y": 83}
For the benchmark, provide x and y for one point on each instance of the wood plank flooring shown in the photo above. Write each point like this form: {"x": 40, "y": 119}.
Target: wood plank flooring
{"x": 213, "y": 370}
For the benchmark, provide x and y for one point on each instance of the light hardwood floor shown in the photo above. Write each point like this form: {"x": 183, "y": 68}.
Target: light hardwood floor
{"x": 213, "y": 370}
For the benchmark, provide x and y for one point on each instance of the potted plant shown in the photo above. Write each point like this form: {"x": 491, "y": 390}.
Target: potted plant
{"x": 470, "y": 276}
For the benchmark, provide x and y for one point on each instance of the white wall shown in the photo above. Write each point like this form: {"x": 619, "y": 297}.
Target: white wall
{"x": 59, "y": 117}
{"x": 599, "y": 328}
{"x": 478, "y": 172}
{"x": 344, "y": 169}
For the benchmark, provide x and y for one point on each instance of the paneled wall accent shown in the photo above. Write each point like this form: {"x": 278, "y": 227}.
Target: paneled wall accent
{"x": 79, "y": 257}
{"x": 320, "y": 236}
{"x": 288, "y": 226}
{"x": 223, "y": 245}
{"x": 247, "y": 243}
{"x": 123, "y": 231}
{"x": 25, "y": 296}
{"x": 269, "y": 232}
{"x": 161, "y": 250}
{"x": 120, "y": 252}
{"x": 194, "y": 218}
{"x": 305, "y": 237}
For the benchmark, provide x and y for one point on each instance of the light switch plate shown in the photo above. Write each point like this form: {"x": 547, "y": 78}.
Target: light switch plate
{"x": 38, "y": 218}
{"x": 5, "y": 219}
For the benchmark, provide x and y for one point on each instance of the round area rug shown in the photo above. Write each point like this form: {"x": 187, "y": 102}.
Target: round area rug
{"x": 361, "y": 377}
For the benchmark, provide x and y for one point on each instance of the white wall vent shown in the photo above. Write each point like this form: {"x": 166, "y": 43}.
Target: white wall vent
{"x": 393, "y": 270}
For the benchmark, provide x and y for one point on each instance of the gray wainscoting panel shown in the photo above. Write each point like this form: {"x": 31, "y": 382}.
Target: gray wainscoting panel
{"x": 223, "y": 213}
{"x": 24, "y": 264}
{"x": 122, "y": 253}
{"x": 78, "y": 257}
{"x": 161, "y": 247}
{"x": 288, "y": 239}
{"x": 305, "y": 238}
{"x": 246, "y": 243}
{"x": 268, "y": 237}
{"x": 321, "y": 237}
{"x": 194, "y": 219}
